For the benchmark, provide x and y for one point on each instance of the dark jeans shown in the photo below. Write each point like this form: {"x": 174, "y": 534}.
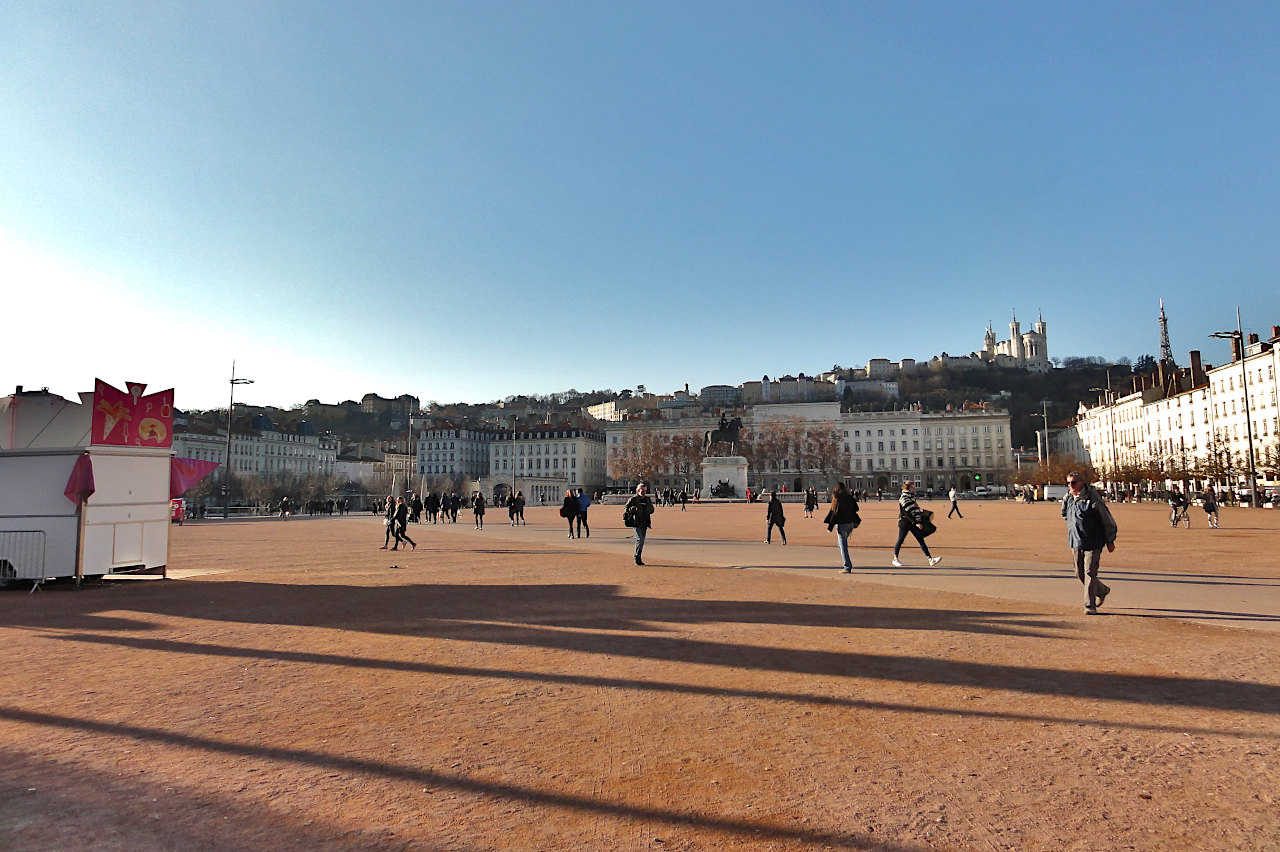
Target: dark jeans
{"x": 582, "y": 524}
{"x": 902, "y": 536}
{"x": 955, "y": 509}
{"x": 640, "y": 534}
{"x": 768, "y": 532}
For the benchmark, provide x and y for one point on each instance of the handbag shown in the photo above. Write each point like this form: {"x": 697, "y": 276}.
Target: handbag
{"x": 927, "y": 528}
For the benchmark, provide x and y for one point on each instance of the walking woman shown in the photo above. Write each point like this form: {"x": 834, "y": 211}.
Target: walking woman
{"x": 843, "y": 518}
{"x": 810, "y": 501}
{"x": 569, "y": 509}
{"x": 1209, "y": 501}
{"x": 388, "y": 521}
{"x": 912, "y": 519}
{"x": 477, "y": 506}
{"x": 400, "y": 525}
{"x": 774, "y": 518}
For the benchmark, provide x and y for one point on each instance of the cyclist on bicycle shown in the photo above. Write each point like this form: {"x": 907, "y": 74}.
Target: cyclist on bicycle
{"x": 1178, "y": 503}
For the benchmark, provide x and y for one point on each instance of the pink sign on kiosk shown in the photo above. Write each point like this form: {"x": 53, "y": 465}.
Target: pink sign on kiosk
{"x": 129, "y": 419}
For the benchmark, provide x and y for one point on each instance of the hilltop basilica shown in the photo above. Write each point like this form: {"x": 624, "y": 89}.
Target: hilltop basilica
{"x": 1027, "y": 350}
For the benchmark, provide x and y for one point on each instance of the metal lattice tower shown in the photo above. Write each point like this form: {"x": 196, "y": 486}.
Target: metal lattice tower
{"x": 1166, "y": 351}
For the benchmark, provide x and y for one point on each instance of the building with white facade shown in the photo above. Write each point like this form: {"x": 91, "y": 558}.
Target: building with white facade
{"x": 544, "y": 461}
{"x": 1195, "y": 424}
{"x": 454, "y": 451}
{"x": 259, "y": 446}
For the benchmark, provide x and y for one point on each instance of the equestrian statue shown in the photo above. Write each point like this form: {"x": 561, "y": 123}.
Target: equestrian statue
{"x": 726, "y": 432}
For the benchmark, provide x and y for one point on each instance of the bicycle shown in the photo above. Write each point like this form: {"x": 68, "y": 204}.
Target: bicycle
{"x": 1179, "y": 513}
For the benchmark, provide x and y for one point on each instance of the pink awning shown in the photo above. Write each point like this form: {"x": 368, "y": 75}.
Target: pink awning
{"x": 80, "y": 483}
{"x": 184, "y": 473}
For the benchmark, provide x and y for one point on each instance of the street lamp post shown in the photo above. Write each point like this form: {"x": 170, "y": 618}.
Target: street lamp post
{"x": 1043, "y": 452}
{"x": 226, "y": 475}
{"x": 1238, "y": 335}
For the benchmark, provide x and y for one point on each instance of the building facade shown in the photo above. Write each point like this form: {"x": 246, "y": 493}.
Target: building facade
{"x": 544, "y": 461}
{"x": 877, "y": 449}
{"x": 259, "y": 447}
{"x": 454, "y": 451}
{"x": 1197, "y": 424}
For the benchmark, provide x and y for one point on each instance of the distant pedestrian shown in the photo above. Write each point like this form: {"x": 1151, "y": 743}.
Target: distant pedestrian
{"x": 415, "y": 509}
{"x": 774, "y": 517}
{"x": 285, "y": 508}
{"x": 400, "y": 525}
{"x": 520, "y": 508}
{"x": 843, "y": 518}
{"x": 1090, "y": 528}
{"x": 914, "y": 520}
{"x": 955, "y": 505}
{"x": 388, "y": 520}
{"x": 569, "y": 509}
{"x": 810, "y": 501}
{"x": 584, "y": 503}
{"x": 684, "y": 500}
{"x": 638, "y": 514}
{"x": 477, "y": 508}
{"x": 1209, "y": 501}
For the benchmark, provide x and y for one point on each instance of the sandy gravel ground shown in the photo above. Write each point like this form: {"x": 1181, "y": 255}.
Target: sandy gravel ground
{"x": 515, "y": 690}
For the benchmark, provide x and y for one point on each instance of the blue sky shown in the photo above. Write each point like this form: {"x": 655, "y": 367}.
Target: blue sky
{"x": 468, "y": 200}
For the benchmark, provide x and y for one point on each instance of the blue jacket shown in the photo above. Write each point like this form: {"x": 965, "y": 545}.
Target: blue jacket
{"x": 1089, "y": 522}
{"x": 584, "y": 502}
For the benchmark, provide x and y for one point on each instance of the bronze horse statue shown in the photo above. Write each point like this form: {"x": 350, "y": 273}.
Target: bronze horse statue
{"x": 728, "y": 434}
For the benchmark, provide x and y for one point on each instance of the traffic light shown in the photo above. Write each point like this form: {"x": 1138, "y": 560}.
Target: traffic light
{"x": 977, "y": 477}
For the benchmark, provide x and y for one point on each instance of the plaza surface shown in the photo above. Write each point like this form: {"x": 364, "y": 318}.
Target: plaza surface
{"x": 296, "y": 687}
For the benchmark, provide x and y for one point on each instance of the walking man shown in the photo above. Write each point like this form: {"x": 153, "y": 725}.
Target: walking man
{"x": 1090, "y": 528}
{"x": 640, "y": 510}
{"x": 584, "y": 503}
{"x": 774, "y": 517}
{"x": 955, "y": 507}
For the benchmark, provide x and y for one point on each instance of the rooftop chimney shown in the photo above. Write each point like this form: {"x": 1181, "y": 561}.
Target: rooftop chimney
{"x": 1197, "y": 369}
{"x": 1237, "y": 349}
{"x": 1253, "y": 338}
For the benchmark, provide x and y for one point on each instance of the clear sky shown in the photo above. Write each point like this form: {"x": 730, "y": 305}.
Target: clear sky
{"x": 467, "y": 200}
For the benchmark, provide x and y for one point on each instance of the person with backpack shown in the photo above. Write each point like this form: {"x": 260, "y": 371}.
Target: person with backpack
{"x": 638, "y": 515}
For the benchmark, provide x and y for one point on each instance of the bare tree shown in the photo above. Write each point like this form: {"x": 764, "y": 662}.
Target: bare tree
{"x": 823, "y": 450}
{"x": 639, "y": 456}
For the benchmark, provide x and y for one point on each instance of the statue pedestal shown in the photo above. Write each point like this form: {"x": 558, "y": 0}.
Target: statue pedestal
{"x": 731, "y": 469}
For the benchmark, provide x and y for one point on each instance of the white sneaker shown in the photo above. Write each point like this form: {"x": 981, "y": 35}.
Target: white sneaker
{"x": 934, "y": 560}
{"x": 895, "y": 563}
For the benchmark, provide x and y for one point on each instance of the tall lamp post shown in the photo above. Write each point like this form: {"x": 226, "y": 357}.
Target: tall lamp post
{"x": 1043, "y": 452}
{"x": 1238, "y": 335}
{"x": 226, "y": 475}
